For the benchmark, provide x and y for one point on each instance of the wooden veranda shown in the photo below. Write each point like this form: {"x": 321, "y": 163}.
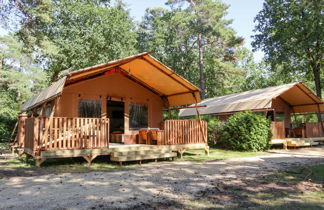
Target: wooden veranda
{"x": 58, "y": 137}
{"x": 119, "y": 102}
{"x": 302, "y": 134}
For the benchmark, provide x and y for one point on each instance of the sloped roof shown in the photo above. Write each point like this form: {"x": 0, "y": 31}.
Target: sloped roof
{"x": 141, "y": 68}
{"x": 46, "y": 95}
{"x": 296, "y": 95}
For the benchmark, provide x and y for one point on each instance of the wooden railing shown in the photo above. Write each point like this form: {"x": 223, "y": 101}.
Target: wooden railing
{"x": 60, "y": 133}
{"x": 278, "y": 130}
{"x": 184, "y": 132}
{"x": 314, "y": 130}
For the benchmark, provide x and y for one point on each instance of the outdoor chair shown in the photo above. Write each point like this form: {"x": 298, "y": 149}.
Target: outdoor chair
{"x": 143, "y": 137}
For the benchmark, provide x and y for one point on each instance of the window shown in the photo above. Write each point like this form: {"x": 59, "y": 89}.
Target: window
{"x": 280, "y": 116}
{"x": 48, "y": 109}
{"x": 89, "y": 108}
{"x": 138, "y": 116}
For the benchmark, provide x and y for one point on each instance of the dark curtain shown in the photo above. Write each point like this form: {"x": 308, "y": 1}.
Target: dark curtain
{"x": 90, "y": 108}
{"x": 138, "y": 116}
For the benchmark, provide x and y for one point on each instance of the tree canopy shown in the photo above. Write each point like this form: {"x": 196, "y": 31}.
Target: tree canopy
{"x": 69, "y": 35}
{"x": 20, "y": 78}
{"x": 193, "y": 37}
{"x": 196, "y": 41}
{"x": 290, "y": 33}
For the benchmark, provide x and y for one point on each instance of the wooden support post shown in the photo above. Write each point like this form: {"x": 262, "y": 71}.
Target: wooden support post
{"x": 39, "y": 161}
{"x": 285, "y": 145}
{"x": 170, "y": 114}
{"x": 13, "y": 132}
{"x": 180, "y": 152}
{"x": 320, "y": 118}
{"x": 27, "y": 157}
{"x": 207, "y": 150}
{"x": 201, "y": 128}
{"x": 20, "y": 152}
{"x": 45, "y": 135}
{"x": 89, "y": 158}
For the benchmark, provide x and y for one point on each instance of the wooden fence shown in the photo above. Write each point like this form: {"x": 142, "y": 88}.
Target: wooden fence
{"x": 60, "y": 133}
{"x": 278, "y": 130}
{"x": 314, "y": 130}
{"x": 184, "y": 132}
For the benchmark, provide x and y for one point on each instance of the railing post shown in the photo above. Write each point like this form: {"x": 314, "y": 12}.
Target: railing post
{"x": 35, "y": 135}
{"x": 21, "y": 129}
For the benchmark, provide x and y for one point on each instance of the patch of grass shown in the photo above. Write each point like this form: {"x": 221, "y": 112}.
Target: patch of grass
{"x": 284, "y": 190}
{"x": 64, "y": 165}
{"x": 216, "y": 154}
{"x": 79, "y": 165}
{"x": 297, "y": 174}
{"x": 309, "y": 200}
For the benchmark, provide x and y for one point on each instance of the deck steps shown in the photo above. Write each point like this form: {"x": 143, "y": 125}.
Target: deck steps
{"x": 145, "y": 152}
{"x": 301, "y": 143}
{"x": 148, "y": 156}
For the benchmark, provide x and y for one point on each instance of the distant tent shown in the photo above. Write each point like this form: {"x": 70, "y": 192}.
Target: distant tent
{"x": 296, "y": 95}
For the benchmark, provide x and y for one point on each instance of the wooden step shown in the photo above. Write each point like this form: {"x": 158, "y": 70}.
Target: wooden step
{"x": 149, "y": 156}
{"x": 301, "y": 143}
{"x": 140, "y": 152}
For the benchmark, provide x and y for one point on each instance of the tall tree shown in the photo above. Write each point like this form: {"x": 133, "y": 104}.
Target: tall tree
{"x": 68, "y": 35}
{"x": 20, "y": 78}
{"x": 290, "y": 33}
{"x": 195, "y": 40}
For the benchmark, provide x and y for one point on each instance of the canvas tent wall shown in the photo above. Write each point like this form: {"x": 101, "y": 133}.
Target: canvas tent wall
{"x": 296, "y": 95}
{"x": 142, "y": 68}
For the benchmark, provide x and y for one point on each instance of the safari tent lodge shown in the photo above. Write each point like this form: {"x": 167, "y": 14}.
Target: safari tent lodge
{"x": 115, "y": 109}
{"x": 287, "y": 106}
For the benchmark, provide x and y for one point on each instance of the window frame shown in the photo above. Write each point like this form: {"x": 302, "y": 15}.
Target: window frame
{"x": 130, "y": 117}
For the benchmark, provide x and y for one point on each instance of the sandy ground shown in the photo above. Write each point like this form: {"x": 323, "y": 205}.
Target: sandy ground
{"x": 148, "y": 186}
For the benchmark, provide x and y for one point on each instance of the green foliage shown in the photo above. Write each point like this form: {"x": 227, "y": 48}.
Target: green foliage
{"x": 172, "y": 36}
{"x": 246, "y": 131}
{"x": 291, "y": 35}
{"x": 214, "y": 128}
{"x": 69, "y": 35}
{"x": 20, "y": 79}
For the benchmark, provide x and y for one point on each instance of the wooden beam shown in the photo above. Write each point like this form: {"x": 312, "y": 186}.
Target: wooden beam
{"x": 286, "y": 102}
{"x": 175, "y": 94}
{"x": 142, "y": 83}
{"x": 308, "y": 104}
{"x": 188, "y": 107}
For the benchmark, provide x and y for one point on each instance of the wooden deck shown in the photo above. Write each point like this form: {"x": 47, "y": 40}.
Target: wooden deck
{"x": 61, "y": 137}
{"x": 119, "y": 152}
{"x": 298, "y": 142}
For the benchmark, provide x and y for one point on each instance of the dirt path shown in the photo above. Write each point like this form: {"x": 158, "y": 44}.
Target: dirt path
{"x": 166, "y": 185}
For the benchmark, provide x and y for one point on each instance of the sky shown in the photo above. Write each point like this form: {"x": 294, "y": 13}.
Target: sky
{"x": 241, "y": 11}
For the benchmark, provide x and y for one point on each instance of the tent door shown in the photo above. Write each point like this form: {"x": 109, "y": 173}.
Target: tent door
{"x": 115, "y": 110}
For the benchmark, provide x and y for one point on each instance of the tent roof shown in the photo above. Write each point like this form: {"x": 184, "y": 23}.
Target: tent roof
{"x": 142, "y": 68}
{"x": 46, "y": 95}
{"x": 297, "y": 95}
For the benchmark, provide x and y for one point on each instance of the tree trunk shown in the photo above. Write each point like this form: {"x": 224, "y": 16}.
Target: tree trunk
{"x": 317, "y": 79}
{"x": 201, "y": 67}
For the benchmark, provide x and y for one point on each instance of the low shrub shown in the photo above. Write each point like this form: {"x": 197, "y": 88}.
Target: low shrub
{"x": 213, "y": 129}
{"x": 246, "y": 131}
